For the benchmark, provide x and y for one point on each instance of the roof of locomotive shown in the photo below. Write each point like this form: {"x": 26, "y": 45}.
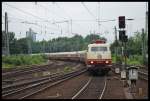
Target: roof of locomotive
{"x": 95, "y": 44}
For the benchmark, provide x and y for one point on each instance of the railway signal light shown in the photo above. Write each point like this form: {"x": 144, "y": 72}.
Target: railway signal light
{"x": 121, "y": 35}
{"x": 125, "y": 39}
{"x": 121, "y": 21}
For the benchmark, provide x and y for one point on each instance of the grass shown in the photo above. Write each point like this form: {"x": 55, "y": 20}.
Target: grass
{"x": 132, "y": 60}
{"x": 67, "y": 69}
{"x": 22, "y": 60}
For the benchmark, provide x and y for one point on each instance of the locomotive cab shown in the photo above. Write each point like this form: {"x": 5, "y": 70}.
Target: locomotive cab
{"x": 99, "y": 56}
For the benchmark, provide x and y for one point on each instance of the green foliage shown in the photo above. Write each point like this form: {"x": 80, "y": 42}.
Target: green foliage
{"x": 135, "y": 59}
{"x": 19, "y": 60}
{"x": 67, "y": 69}
{"x": 133, "y": 48}
{"x": 132, "y": 60}
{"x": 60, "y": 44}
{"x": 114, "y": 59}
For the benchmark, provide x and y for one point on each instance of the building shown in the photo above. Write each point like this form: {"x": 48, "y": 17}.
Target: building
{"x": 31, "y": 34}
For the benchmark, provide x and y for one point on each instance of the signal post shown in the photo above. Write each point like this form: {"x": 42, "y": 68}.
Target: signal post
{"x": 123, "y": 38}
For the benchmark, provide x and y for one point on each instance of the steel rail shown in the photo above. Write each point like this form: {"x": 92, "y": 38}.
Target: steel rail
{"x": 69, "y": 76}
{"x": 82, "y": 89}
{"x": 40, "y": 83}
{"x": 104, "y": 88}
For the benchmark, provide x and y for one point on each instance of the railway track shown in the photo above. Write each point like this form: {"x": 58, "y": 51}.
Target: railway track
{"x": 17, "y": 86}
{"x": 39, "y": 86}
{"x": 93, "y": 89}
{"x": 29, "y": 74}
{"x": 143, "y": 75}
{"x": 30, "y": 69}
{"x": 26, "y": 67}
{"x": 31, "y": 80}
{"x": 21, "y": 68}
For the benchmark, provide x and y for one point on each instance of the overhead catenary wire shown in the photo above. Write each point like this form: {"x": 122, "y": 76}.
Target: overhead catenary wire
{"x": 37, "y": 26}
{"x": 49, "y": 10}
{"x": 69, "y": 21}
{"x": 28, "y": 22}
{"x": 25, "y": 12}
{"x": 62, "y": 9}
{"x": 88, "y": 10}
{"x": 53, "y": 22}
{"x": 73, "y": 20}
{"x": 67, "y": 15}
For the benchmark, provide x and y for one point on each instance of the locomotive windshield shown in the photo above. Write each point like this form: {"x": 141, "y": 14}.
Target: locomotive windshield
{"x": 94, "y": 49}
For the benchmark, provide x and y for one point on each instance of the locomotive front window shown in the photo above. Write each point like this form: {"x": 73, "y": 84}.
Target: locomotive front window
{"x": 102, "y": 48}
{"x": 94, "y": 49}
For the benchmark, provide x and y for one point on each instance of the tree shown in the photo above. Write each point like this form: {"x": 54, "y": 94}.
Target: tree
{"x": 60, "y": 44}
{"x": 133, "y": 46}
{"x": 22, "y": 46}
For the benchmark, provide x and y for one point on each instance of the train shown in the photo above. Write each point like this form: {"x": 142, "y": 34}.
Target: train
{"x": 97, "y": 57}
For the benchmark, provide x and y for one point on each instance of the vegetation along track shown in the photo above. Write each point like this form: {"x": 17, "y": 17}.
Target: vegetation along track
{"x": 93, "y": 89}
{"x": 37, "y": 87}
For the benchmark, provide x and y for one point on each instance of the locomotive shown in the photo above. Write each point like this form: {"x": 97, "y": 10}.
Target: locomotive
{"x": 97, "y": 57}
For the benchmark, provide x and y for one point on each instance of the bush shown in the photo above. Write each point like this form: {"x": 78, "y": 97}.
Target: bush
{"x": 18, "y": 60}
{"x": 67, "y": 69}
{"x": 132, "y": 60}
{"x": 114, "y": 58}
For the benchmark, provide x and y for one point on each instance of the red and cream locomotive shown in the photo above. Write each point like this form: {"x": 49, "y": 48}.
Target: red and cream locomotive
{"x": 98, "y": 56}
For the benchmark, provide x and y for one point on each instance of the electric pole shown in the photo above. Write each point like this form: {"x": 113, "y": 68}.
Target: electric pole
{"x": 68, "y": 27}
{"x": 71, "y": 25}
{"x": 43, "y": 46}
{"x": 29, "y": 41}
{"x": 146, "y": 20}
{"x": 5, "y": 43}
{"x": 143, "y": 46}
{"x": 116, "y": 43}
{"x": 6, "y": 32}
{"x": 61, "y": 31}
{"x": 99, "y": 16}
{"x": 90, "y": 32}
{"x": 146, "y": 31}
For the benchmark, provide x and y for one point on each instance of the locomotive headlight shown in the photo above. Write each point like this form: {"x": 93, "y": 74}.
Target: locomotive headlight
{"x": 92, "y": 62}
{"x": 107, "y": 62}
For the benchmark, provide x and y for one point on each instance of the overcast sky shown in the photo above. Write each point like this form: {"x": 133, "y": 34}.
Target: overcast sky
{"x": 53, "y": 19}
